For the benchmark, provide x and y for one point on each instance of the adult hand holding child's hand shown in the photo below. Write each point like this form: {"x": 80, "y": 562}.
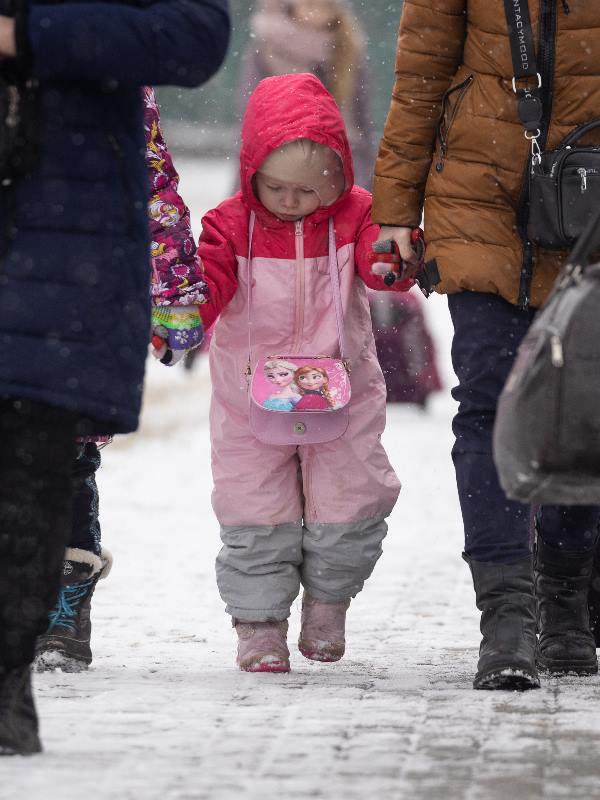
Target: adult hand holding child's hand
{"x": 402, "y": 237}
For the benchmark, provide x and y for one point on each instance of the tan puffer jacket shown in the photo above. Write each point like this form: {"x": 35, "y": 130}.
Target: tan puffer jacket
{"x": 453, "y": 142}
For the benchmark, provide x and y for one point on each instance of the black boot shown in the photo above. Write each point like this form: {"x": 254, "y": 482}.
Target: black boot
{"x": 66, "y": 643}
{"x": 594, "y": 596}
{"x": 562, "y": 582}
{"x": 504, "y": 595}
{"x": 18, "y": 720}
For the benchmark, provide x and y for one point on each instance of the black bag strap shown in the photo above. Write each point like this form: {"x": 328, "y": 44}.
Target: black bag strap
{"x": 576, "y": 134}
{"x": 522, "y": 48}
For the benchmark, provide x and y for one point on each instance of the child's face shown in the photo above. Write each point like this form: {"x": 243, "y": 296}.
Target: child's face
{"x": 281, "y": 376}
{"x": 288, "y": 201}
{"x": 311, "y": 380}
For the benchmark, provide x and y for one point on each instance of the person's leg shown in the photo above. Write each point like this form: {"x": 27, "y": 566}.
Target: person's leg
{"x": 487, "y": 333}
{"x": 66, "y": 642}
{"x": 570, "y": 529}
{"x": 85, "y": 531}
{"x": 38, "y": 444}
{"x": 350, "y": 489}
{"x": 256, "y": 499}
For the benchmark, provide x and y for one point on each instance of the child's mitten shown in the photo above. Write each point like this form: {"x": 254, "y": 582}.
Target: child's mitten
{"x": 175, "y": 330}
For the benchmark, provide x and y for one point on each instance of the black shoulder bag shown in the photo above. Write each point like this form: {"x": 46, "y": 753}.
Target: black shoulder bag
{"x": 564, "y": 184}
{"x": 547, "y": 428}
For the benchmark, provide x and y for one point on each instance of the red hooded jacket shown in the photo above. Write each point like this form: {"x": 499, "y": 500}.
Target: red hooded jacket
{"x": 283, "y": 109}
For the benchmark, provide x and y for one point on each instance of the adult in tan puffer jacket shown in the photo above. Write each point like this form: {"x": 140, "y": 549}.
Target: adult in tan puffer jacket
{"x": 454, "y": 148}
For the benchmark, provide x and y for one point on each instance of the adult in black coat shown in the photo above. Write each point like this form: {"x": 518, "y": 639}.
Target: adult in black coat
{"x": 74, "y": 274}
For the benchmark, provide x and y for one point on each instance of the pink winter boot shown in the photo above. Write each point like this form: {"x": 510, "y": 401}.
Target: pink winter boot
{"x": 262, "y": 646}
{"x": 323, "y": 629}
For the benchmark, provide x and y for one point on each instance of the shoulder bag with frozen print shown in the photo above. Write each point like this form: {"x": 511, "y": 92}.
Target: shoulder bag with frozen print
{"x": 296, "y": 398}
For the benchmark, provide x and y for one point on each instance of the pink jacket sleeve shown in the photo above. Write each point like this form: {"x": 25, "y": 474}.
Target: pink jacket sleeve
{"x": 216, "y": 251}
{"x": 177, "y": 275}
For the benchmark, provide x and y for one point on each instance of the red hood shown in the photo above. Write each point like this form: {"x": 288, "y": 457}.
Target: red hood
{"x": 285, "y": 108}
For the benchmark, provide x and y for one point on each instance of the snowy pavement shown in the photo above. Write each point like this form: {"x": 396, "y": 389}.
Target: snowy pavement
{"x": 163, "y": 714}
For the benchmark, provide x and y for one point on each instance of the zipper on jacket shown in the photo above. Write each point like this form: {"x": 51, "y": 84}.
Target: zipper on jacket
{"x": 546, "y": 58}
{"x": 442, "y": 128}
{"x": 299, "y": 320}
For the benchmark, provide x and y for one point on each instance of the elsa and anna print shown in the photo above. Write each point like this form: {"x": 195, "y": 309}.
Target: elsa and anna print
{"x": 306, "y": 387}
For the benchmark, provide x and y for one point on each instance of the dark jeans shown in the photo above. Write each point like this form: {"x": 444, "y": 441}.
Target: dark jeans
{"x": 37, "y": 447}
{"x": 85, "y": 531}
{"x": 487, "y": 333}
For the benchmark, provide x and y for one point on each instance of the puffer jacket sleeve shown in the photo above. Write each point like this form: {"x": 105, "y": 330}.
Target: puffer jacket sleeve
{"x": 177, "y": 277}
{"x": 430, "y": 48}
{"x": 154, "y": 42}
{"x": 219, "y": 262}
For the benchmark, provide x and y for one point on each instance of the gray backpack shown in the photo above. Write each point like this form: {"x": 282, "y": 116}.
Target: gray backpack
{"x": 547, "y": 431}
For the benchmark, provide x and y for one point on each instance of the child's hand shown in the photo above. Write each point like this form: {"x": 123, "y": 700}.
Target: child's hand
{"x": 175, "y": 331}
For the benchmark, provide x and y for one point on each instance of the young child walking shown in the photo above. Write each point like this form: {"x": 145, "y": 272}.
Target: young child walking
{"x": 291, "y": 515}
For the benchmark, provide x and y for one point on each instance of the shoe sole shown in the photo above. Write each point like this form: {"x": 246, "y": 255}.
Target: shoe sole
{"x": 51, "y": 660}
{"x": 33, "y": 748}
{"x": 273, "y": 666}
{"x": 567, "y": 668}
{"x": 319, "y": 655}
{"x": 507, "y": 679}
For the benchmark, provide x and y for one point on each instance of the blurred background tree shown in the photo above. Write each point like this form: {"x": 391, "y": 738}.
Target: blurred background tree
{"x": 203, "y": 121}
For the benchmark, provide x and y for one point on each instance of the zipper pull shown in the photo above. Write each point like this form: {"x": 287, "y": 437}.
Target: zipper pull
{"x": 556, "y": 351}
{"x": 565, "y": 6}
{"x": 582, "y": 172}
{"x": 298, "y": 225}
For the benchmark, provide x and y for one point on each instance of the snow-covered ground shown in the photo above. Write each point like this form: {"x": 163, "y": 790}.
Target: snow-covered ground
{"x": 163, "y": 714}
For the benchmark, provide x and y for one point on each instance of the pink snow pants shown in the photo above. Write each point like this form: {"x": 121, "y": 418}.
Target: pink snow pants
{"x": 311, "y": 515}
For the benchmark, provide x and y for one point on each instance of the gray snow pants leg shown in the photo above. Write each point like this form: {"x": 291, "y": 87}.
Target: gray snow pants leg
{"x": 260, "y": 567}
{"x": 339, "y": 557}
{"x": 258, "y": 570}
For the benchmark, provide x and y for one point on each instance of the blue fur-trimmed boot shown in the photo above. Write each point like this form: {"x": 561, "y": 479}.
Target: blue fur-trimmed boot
{"x": 66, "y": 643}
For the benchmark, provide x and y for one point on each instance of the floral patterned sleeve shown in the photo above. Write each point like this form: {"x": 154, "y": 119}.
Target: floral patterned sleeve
{"x": 177, "y": 275}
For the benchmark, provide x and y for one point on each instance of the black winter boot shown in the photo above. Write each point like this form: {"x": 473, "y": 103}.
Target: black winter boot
{"x": 66, "y": 643}
{"x": 18, "y": 719}
{"x": 594, "y": 596}
{"x": 504, "y": 595}
{"x": 562, "y": 582}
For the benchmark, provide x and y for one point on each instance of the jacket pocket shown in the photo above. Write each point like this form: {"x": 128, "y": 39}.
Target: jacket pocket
{"x": 451, "y": 103}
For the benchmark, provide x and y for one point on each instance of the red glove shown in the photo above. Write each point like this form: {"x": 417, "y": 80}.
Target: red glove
{"x": 385, "y": 261}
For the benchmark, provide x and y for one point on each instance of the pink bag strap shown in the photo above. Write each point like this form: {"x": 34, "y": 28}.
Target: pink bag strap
{"x": 335, "y": 288}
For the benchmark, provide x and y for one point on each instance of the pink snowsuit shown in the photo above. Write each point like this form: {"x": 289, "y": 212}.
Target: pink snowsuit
{"x": 311, "y": 514}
